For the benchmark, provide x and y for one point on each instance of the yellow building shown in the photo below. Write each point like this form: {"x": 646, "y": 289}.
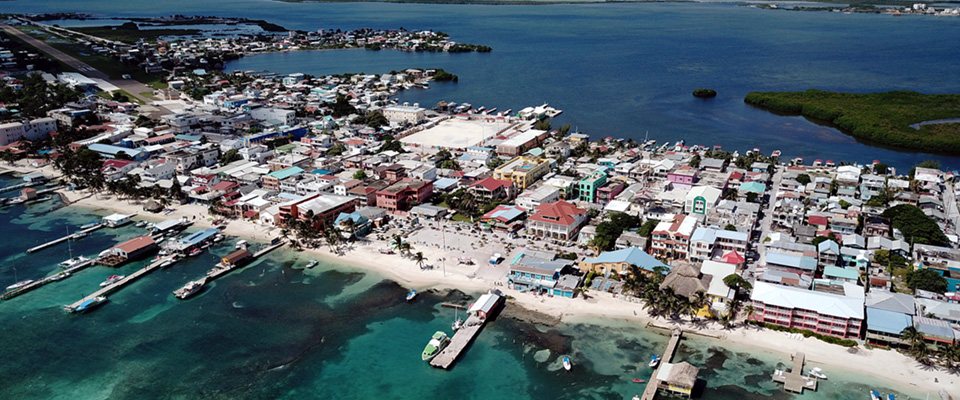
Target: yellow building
{"x": 523, "y": 170}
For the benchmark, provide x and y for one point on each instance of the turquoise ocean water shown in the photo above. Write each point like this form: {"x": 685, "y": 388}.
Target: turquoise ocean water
{"x": 273, "y": 330}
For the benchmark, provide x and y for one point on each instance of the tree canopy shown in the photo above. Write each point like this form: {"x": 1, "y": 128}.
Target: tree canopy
{"x": 926, "y": 279}
{"x": 916, "y": 226}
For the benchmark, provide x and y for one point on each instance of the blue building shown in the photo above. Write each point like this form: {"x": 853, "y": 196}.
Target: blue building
{"x": 542, "y": 276}
{"x": 361, "y": 223}
{"x": 111, "y": 151}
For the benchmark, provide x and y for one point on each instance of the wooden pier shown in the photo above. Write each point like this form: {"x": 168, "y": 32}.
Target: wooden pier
{"x": 268, "y": 249}
{"x": 155, "y": 265}
{"x": 794, "y": 381}
{"x": 651, "y": 390}
{"x": 63, "y": 239}
{"x": 220, "y": 269}
{"x": 50, "y": 279}
{"x": 464, "y": 336}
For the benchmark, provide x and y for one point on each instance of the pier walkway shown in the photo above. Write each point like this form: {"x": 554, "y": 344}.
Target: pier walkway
{"x": 651, "y": 390}
{"x": 52, "y": 278}
{"x": 63, "y": 239}
{"x": 153, "y": 266}
{"x": 17, "y": 186}
{"x": 458, "y": 343}
{"x": 220, "y": 269}
{"x": 794, "y": 381}
{"x": 268, "y": 249}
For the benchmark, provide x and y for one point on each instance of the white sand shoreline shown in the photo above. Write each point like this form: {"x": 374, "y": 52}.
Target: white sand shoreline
{"x": 901, "y": 371}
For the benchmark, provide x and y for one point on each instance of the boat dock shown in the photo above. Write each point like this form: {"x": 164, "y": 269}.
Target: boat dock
{"x": 18, "y": 186}
{"x": 63, "y": 239}
{"x": 52, "y": 278}
{"x": 268, "y": 249}
{"x": 794, "y": 381}
{"x": 471, "y": 328}
{"x": 451, "y": 305}
{"x": 486, "y": 307}
{"x": 153, "y": 266}
{"x": 651, "y": 390}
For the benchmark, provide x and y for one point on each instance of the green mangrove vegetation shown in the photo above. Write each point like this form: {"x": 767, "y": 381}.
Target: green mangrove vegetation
{"x": 882, "y": 118}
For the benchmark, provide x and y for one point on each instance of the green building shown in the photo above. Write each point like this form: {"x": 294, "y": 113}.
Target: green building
{"x": 590, "y": 184}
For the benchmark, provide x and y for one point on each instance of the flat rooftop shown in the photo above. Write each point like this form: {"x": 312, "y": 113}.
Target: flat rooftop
{"x": 457, "y": 133}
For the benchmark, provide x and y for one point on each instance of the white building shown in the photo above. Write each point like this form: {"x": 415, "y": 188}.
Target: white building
{"x": 284, "y": 117}
{"x": 36, "y": 129}
{"x": 405, "y": 113}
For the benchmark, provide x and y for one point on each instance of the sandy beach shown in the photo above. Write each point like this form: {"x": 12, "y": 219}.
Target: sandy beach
{"x": 885, "y": 364}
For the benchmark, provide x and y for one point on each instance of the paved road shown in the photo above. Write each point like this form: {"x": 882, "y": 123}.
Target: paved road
{"x": 132, "y": 87}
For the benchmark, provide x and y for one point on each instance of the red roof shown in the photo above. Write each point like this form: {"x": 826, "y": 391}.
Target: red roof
{"x": 115, "y": 163}
{"x": 492, "y": 184}
{"x": 135, "y": 244}
{"x": 225, "y": 185}
{"x": 560, "y": 213}
{"x": 250, "y": 214}
{"x": 732, "y": 257}
{"x": 818, "y": 220}
{"x": 353, "y": 142}
{"x": 736, "y": 175}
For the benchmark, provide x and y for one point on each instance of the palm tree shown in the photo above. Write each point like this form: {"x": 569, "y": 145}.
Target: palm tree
{"x": 333, "y": 239}
{"x": 733, "y": 308}
{"x": 914, "y": 338}
{"x": 419, "y": 259}
{"x": 596, "y": 245}
{"x": 397, "y": 242}
{"x": 749, "y": 311}
{"x": 351, "y": 227}
{"x": 405, "y": 247}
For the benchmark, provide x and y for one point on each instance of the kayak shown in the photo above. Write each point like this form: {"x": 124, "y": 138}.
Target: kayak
{"x": 639, "y": 380}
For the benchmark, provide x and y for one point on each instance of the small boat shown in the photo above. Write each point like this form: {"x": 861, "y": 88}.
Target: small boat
{"x": 141, "y": 224}
{"x": 61, "y": 275}
{"x": 312, "y": 263}
{"x": 205, "y": 245}
{"x": 437, "y": 343}
{"x": 89, "y": 304}
{"x": 164, "y": 251}
{"x": 20, "y": 284}
{"x": 78, "y": 236}
{"x": 457, "y": 324}
{"x": 242, "y": 244}
{"x": 891, "y": 397}
{"x": 168, "y": 262}
{"x": 90, "y": 225}
{"x": 776, "y": 153}
{"x": 566, "y": 363}
{"x": 411, "y": 295}
{"x": 654, "y": 361}
{"x": 111, "y": 280}
{"x": 816, "y": 372}
{"x": 195, "y": 252}
{"x": 874, "y": 395}
{"x": 73, "y": 262}
{"x": 218, "y": 238}
{"x": 189, "y": 289}
{"x": 637, "y": 380}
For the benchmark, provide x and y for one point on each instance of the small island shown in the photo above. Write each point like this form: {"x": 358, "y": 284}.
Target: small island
{"x": 705, "y": 93}
{"x": 903, "y": 119}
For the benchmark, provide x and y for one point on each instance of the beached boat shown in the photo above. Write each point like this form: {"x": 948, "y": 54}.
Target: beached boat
{"x": 411, "y": 295}
{"x": 438, "y": 342}
{"x": 567, "y": 365}
{"x": 654, "y": 361}
{"x": 20, "y": 284}
{"x": 111, "y": 280}
{"x": 816, "y": 372}
{"x": 874, "y": 395}
{"x": 73, "y": 262}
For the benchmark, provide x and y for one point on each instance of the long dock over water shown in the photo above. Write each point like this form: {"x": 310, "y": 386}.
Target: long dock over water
{"x": 50, "y": 279}
{"x": 155, "y": 265}
{"x": 651, "y": 390}
{"x": 221, "y": 270}
{"x": 471, "y": 328}
{"x": 794, "y": 381}
{"x": 63, "y": 239}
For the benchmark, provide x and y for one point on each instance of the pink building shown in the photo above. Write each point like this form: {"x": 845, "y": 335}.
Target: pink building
{"x": 825, "y": 313}
{"x": 607, "y": 193}
{"x": 683, "y": 177}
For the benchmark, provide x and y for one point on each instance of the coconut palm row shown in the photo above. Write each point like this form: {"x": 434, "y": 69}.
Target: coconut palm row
{"x": 946, "y": 355}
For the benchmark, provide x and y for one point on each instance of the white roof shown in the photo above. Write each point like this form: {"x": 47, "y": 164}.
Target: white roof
{"x": 709, "y": 193}
{"x": 116, "y": 217}
{"x": 617, "y": 206}
{"x": 719, "y": 271}
{"x": 821, "y": 302}
{"x": 485, "y": 303}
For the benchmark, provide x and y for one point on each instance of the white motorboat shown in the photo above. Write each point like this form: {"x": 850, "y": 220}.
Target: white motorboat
{"x": 141, "y": 224}
{"x": 218, "y": 238}
{"x": 242, "y": 244}
{"x": 312, "y": 263}
{"x": 59, "y": 276}
{"x": 73, "y": 262}
{"x": 874, "y": 395}
{"x": 654, "y": 361}
{"x": 20, "y": 284}
{"x": 168, "y": 262}
{"x": 411, "y": 295}
{"x": 111, "y": 280}
{"x": 818, "y": 373}
{"x": 567, "y": 365}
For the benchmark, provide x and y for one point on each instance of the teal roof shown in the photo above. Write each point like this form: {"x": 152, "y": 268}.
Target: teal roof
{"x": 753, "y": 186}
{"x": 632, "y": 255}
{"x": 840, "y": 272}
{"x": 286, "y": 173}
